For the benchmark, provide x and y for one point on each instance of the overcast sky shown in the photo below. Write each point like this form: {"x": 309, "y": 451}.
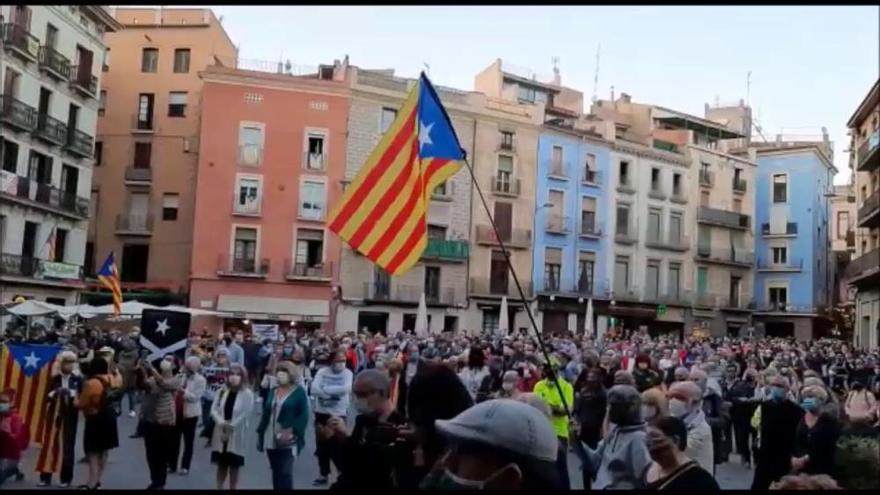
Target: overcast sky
{"x": 810, "y": 66}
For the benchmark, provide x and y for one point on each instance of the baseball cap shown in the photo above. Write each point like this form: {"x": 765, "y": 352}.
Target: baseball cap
{"x": 505, "y": 424}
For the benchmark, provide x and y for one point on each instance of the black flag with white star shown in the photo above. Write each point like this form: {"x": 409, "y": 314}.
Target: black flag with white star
{"x": 164, "y": 332}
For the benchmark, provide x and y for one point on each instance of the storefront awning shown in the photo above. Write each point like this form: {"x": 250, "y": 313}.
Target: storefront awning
{"x": 274, "y": 308}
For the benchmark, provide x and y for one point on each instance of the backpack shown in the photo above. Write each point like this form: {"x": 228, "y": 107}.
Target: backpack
{"x": 111, "y": 400}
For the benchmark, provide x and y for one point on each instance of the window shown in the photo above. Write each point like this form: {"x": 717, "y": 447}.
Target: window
{"x": 654, "y": 224}
{"x": 105, "y": 65}
{"x": 311, "y": 206}
{"x": 437, "y": 232}
{"x": 588, "y": 214}
{"x": 702, "y": 280}
{"x": 704, "y": 198}
{"x": 737, "y": 205}
{"x": 842, "y": 224}
{"x": 442, "y": 189}
{"x": 309, "y": 250}
{"x": 624, "y": 173}
{"x": 780, "y": 188}
{"x": 250, "y": 144}
{"x": 177, "y": 104}
{"x": 556, "y": 158}
{"x": 705, "y": 174}
{"x": 676, "y": 185}
{"x": 432, "y": 283}
{"x": 507, "y": 140}
{"x": 780, "y": 255}
{"x": 735, "y": 283}
{"x": 10, "y": 156}
{"x": 99, "y": 152}
{"x": 181, "y": 60}
{"x": 552, "y": 269}
{"x": 621, "y": 274}
{"x": 150, "y": 60}
{"x": 490, "y": 321}
{"x": 590, "y": 168}
{"x": 526, "y": 94}
{"x": 51, "y": 36}
{"x": 652, "y": 280}
{"x": 388, "y": 116}
{"x": 248, "y": 195}
{"x": 674, "y": 281}
{"x": 586, "y": 267}
{"x": 778, "y": 297}
{"x": 244, "y": 256}
{"x": 505, "y": 173}
{"x": 675, "y": 227}
{"x": 315, "y": 153}
{"x": 60, "y": 244}
{"x": 145, "y": 111}
{"x": 142, "y": 152}
{"x": 622, "y": 220}
{"x": 102, "y": 102}
{"x": 170, "y": 203}
{"x": 655, "y": 179}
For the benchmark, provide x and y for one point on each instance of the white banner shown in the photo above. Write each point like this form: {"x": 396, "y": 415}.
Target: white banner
{"x": 59, "y": 270}
{"x": 266, "y": 331}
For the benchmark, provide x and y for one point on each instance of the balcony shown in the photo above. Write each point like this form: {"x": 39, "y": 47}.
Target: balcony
{"x": 707, "y": 178}
{"x": 305, "y": 272}
{"x": 680, "y": 244}
{"x": 79, "y": 143}
{"x": 792, "y": 265}
{"x": 231, "y": 266}
{"x": 138, "y": 176}
{"x": 17, "y": 114}
{"x": 443, "y": 250}
{"x": 132, "y": 224}
{"x": 13, "y": 265}
{"x": 51, "y": 130}
{"x": 558, "y": 170}
{"x": 590, "y": 228}
{"x": 632, "y": 294}
{"x": 725, "y": 255}
{"x": 313, "y": 162}
{"x": 723, "y": 218}
{"x": 625, "y": 235}
{"x": 508, "y": 188}
{"x": 507, "y": 146}
{"x": 32, "y": 193}
{"x": 666, "y": 146}
{"x": 678, "y": 196}
{"x": 55, "y": 64}
{"x": 868, "y": 154}
{"x": 498, "y": 287}
{"x": 864, "y": 271}
{"x": 591, "y": 177}
{"x": 578, "y": 288}
{"x": 657, "y": 193}
{"x": 791, "y": 230}
{"x": 19, "y": 41}
{"x": 141, "y": 126}
{"x": 557, "y": 224}
{"x": 676, "y": 297}
{"x": 83, "y": 81}
{"x": 515, "y": 238}
{"x": 739, "y": 186}
{"x": 626, "y": 186}
{"x": 775, "y": 307}
{"x": 869, "y": 212}
{"x": 409, "y": 294}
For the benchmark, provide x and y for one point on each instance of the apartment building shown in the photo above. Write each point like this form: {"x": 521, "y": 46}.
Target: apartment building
{"x": 863, "y": 271}
{"x": 843, "y": 247}
{"x": 670, "y": 172}
{"x": 50, "y": 63}
{"x": 793, "y": 280}
{"x": 370, "y": 297}
{"x": 272, "y": 159}
{"x": 148, "y": 149}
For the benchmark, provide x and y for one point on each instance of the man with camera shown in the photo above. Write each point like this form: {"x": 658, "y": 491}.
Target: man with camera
{"x": 377, "y": 451}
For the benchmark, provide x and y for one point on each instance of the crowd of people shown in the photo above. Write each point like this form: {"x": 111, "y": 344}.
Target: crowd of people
{"x": 457, "y": 411}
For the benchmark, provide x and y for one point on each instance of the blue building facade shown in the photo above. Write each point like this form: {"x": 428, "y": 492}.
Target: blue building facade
{"x": 571, "y": 226}
{"x": 792, "y": 244}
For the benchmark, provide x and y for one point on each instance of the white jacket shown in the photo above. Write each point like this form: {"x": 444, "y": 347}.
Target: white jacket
{"x": 192, "y": 395}
{"x": 699, "y": 441}
{"x": 244, "y": 404}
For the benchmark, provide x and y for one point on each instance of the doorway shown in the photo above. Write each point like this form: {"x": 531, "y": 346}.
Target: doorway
{"x": 504, "y": 220}
{"x": 374, "y": 322}
{"x": 779, "y": 329}
{"x": 135, "y": 258}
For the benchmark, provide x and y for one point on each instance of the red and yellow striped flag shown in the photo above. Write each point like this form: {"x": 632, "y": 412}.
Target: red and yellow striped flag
{"x": 382, "y": 214}
{"x": 108, "y": 275}
{"x": 26, "y": 369}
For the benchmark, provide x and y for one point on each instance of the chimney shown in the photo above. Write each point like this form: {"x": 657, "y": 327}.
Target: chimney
{"x": 625, "y": 98}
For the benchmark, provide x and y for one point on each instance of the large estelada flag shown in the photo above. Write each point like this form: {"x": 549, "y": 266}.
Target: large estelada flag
{"x": 164, "y": 332}
{"x": 27, "y": 369}
{"x": 382, "y": 214}
{"x": 108, "y": 275}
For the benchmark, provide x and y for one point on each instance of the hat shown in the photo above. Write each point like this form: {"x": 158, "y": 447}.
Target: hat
{"x": 106, "y": 350}
{"x": 505, "y": 424}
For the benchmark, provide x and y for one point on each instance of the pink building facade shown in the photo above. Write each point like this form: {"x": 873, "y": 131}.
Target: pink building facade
{"x": 271, "y": 163}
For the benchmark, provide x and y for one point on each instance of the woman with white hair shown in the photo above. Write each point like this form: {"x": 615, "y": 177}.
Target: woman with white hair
{"x": 283, "y": 424}
{"x": 189, "y": 408}
{"x": 817, "y": 434}
{"x": 231, "y": 408}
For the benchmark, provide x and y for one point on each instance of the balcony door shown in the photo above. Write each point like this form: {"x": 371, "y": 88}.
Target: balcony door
{"x": 137, "y": 217}
{"x": 382, "y": 284}
{"x": 244, "y": 257}
{"x": 45, "y": 96}
{"x": 498, "y": 281}
{"x": 135, "y": 258}
{"x": 504, "y": 219}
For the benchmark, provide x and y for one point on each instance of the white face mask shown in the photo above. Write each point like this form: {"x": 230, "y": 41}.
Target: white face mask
{"x": 337, "y": 367}
{"x": 165, "y": 365}
{"x": 235, "y": 380}
{"x": 678, "y": 408}
{"x": 283, "y": 378}
{"x": 507, "y": 386}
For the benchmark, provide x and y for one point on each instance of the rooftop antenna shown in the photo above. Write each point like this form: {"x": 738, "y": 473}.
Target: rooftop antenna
{"x": 717, "y": 101}
{"x": 596, "y": 74}
{"x": 748, "y": 87}
{"x": 557, "y": 80}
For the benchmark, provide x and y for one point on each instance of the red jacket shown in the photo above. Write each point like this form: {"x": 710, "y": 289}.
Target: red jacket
{"x": 14, "y": 441}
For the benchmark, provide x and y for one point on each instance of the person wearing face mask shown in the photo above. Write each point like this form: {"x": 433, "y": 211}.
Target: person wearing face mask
{"x": 230, "y": 410}
{"x": 548, "y": 390}
{"x": 776, "y": 420}
{"x": 485, "y": 451}
{"x": 159, "y": 418}
{"x": 685, "y": 403}
{"x": 716, "y": 413}
{"x": 817, "y": 434}
{"x": 234, "y": 348}
{"x": 508, "y": 386}
{"x": 621, "y": 457}
{"x": 61, "y": 409}
{"x": 645, "y": 377}
{"x": 298, "y": 358}
{"x": 282, "y": 425}
{"x": 740, "y": 395}
{"x": 654, "y": 405}
{"x": 14, "y": 437}
{"x": 331, "y": 389}
{"x": 672, "y": 469}
{"x": 189, "y": 397}
{"x": 375, "y": 453}
{"x": 100, "y": 434}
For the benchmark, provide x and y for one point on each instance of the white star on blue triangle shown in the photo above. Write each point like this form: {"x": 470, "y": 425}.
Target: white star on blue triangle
{"x": 437, "y": 138}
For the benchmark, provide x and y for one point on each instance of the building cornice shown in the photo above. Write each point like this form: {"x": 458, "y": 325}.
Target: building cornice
{"x": 787, "y": 150}
{"x": 872, "y": 99}
{"x": 255, "y": 79}
{"x": 722, "y": 154}
{"x": 646, "y": 152}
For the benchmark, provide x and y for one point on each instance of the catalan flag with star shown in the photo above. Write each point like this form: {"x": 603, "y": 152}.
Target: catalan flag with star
{"x": 108, "y": 275}
{"x": 26, "y": 369}
{"x": 383, "y": 213}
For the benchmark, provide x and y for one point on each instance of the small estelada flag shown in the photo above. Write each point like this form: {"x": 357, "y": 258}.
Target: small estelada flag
{"x": 164, "y": 332}
{"x": 383, "y": 213}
